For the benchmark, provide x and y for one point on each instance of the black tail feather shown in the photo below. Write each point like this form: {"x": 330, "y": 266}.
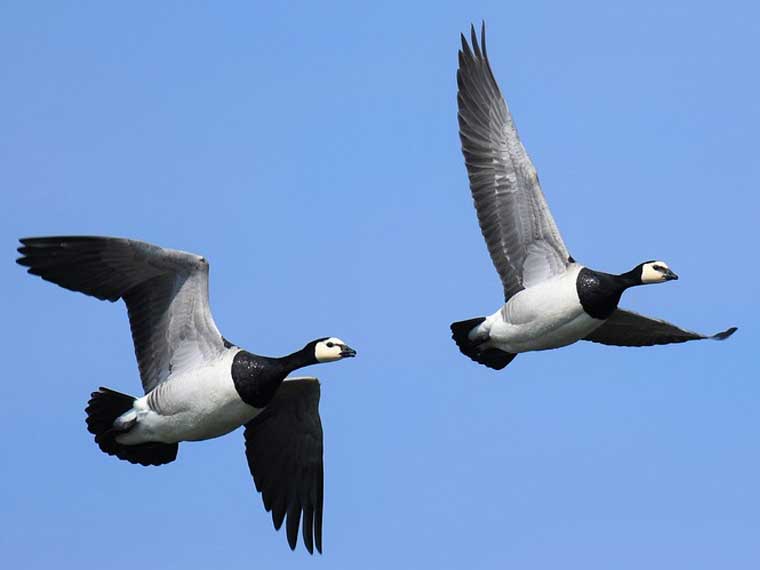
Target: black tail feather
{"x": 491, "y": 357}
{"x": 104, "y": 407}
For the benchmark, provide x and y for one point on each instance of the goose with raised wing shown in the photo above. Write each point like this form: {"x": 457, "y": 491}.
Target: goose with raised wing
{"x": 550, "y": 299}
{"x": 197, "y": 384}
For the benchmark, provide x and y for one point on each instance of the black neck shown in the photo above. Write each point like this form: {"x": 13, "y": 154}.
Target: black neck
{"x": 599, "y": 292}
{"x": 256, "y": 378}
{"x": 629, "y": 278}
{"x": 298, "y": 359}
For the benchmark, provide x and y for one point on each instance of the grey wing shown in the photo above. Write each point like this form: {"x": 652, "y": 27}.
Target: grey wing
{"x": 165, "y": 290}
{"x": 283, "y": 445}
{"x": 523, "y": 240}
{"x": 626, "y": 328}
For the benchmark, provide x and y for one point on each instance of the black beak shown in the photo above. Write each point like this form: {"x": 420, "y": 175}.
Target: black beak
{"x": 346, "y": 351}
{"x": 670, "y": 276}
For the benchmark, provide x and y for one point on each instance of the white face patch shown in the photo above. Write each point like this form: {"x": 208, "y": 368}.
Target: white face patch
{"x": 651, "y": 275}
{"x": 329, "y": 350}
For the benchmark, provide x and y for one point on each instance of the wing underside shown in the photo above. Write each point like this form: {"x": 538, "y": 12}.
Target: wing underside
{"x": 522, "y": 237}
{"x": 165, "y": 290}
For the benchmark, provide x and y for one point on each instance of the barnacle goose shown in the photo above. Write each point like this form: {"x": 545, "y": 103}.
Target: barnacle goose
{"x": 550, "y": 299}
{"x": 197, "y": 384}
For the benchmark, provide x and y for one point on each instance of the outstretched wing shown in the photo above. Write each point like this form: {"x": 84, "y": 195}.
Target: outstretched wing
{"x": 165, "y": 290}
{"x": 626, "y": 328}
{"x": 283, "y": 445}
{"x": 523, "y": 240}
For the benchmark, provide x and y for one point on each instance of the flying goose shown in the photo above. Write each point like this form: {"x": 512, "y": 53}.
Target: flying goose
{"x": 550, "y": 299}
{"x": 197, "y": 384}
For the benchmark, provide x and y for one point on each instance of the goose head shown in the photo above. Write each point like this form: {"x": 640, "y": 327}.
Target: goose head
{"x": 330, "y": 349}
{"x": 654, "y": 272}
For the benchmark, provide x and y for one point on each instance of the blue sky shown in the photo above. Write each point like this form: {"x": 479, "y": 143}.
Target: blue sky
{"x": 311, "y": 154}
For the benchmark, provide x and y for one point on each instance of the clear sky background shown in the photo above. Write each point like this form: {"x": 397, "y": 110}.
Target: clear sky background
{"x": 310, "y": 152}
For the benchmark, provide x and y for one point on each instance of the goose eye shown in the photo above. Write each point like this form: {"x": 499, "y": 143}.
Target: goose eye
{"x": 330, "y": 344}
{"x": 657, "y": 267}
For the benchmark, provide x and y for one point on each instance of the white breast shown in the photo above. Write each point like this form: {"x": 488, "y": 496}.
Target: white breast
{"x": 197, "y": 405}
{"x": 547, "y": 315}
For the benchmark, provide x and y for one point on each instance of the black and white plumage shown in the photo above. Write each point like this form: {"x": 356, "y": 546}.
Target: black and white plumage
{"x": 550, "y": 299}
{"x": 197, "y": 384}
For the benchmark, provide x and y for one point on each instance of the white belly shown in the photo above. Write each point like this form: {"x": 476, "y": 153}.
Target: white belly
{"x": 547, "y": 315}
{"x": 194, "y": 406}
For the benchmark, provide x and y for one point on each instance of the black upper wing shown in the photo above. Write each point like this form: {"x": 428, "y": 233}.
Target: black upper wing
{"x": 283, "y": 445}
{"x": 626, "y": 328}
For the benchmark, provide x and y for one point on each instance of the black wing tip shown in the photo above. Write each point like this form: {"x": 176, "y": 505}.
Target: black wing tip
{"x": 292, "y": 525}
{"x": 38, "y": 240}
{"x": 33, "y": 244}
{"x": 465, "y": 53}
{"x": 278, "y": 517}
{"x": 24, "y": 249}
{"x": 31, "y": 241}
{"x": 725, "y": 334}
{"x": 309, "y": 544}
{"x": 309, "y": 541}
{"x": 309, "y": 547}
{"x": 63, "y": 240}
{"x": 478, "y": 46}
